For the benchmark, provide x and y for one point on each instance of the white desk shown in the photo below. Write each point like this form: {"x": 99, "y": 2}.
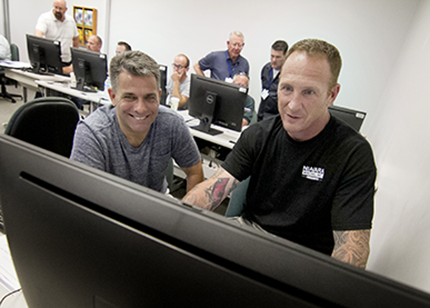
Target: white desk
{"x": 28, "y": 79}
{"x": 8, "y": 280}
{"x": 95, "y": 98}
{"x": 227, "y": 138}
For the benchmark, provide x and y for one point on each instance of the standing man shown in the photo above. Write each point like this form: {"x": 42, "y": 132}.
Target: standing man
{"x": 311, "y": 176}
{"x": 122, "y": 46}
{"x": 135, "y": 137}
{"x": 94, "y": 43}
{"x": 270, "y": 79}
{"x": 243, "y": 80}
{"x": 56, "y": 25}
{"x": 178, "y": 85}
{"x": 225, "y": 64}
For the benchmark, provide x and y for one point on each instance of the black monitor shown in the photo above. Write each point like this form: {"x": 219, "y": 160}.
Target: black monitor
{"x": 44, "y": 55}
{"x": 80, "y": 237}
{"x": 163, "y": 82}
{"x": 353, "y": 118}
{"x": 90, "y": 69}
{"x": 218, "y": 102}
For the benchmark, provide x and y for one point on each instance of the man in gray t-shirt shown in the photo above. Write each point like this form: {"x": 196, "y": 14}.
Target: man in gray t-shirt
{"x": 135, "y": 138}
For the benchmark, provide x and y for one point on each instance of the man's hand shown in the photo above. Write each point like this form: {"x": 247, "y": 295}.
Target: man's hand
{"x": 176, "y": 77}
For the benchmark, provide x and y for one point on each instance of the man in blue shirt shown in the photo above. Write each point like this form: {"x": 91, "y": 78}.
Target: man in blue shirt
{"x": 225, "y": 64}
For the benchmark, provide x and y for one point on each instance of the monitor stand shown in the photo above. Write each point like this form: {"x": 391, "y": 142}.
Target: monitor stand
{"x": 207, "y": 116}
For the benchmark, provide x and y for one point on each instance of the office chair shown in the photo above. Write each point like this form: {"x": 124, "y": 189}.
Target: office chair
{"x": 14, "y": 51}
{"x": 237, "y": 199}
{"x": 47, "y": 122}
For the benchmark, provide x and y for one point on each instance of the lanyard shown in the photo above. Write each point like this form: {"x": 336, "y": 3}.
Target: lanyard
{"x": 228, "y": 63}
{"x": 271, "y": 79}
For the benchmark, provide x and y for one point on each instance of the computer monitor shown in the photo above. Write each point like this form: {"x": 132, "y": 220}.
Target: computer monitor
{"x": 353, "y": 118}
{"x": 163, "y": 82}
{"x": 218, "y": 102}
{"x": 90, "y": 69}
{"x": 44, "y": 55}
{"x": 80, "y": 237}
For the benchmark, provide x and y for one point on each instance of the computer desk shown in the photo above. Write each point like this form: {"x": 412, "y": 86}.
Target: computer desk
{"x": 8, "y": 279}
{"x": 28, "y": 79}
{"x": 95, "y": 98}
{"x": 224, "y": 141}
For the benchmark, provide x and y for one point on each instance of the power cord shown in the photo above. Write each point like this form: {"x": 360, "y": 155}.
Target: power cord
{"x": 9, "y": 294}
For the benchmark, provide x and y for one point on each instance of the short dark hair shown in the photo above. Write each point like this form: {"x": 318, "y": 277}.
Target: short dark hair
{"x": 280, "y": 45}
{"x": 125, "y": 44}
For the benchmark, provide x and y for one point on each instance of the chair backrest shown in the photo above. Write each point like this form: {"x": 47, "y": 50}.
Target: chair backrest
{"x": 237, "y": 199}
{"x": 47, "y": 122}
{"x": 14, "y": 52}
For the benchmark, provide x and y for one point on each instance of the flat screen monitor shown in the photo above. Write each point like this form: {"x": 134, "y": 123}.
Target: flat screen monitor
{"x": 163, "y": 82}
{"x": 218, "y": 102}
{"x": 80, "y": 237}
{"x": 44, "y": 55}
{"x": 353, "y": 118}
{"x": 90, "y": 69}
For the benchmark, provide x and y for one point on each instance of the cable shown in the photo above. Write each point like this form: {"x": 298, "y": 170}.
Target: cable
{"x": 7, "y": 295}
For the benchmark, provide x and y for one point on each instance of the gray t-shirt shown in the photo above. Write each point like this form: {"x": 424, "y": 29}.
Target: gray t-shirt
{"x": 100, "y": 143}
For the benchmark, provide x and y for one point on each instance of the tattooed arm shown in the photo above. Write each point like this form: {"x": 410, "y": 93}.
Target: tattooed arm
{"x": 210, "y": 193}
{"x": 352, "y": 247}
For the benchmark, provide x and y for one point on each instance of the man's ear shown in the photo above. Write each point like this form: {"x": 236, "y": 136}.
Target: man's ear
{"x": 333, "y": 94}
{"x": 112, "y": 96}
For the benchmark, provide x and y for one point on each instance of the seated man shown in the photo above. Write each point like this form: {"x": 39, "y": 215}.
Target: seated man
{"x": 312, "y": 176}
{"x": 94, "y": 43}
{"x": 243, "y": 80}
{"x": 121, "y": 47}
{"x": 178, "y": 85}
{"x": 225, "y": 64}
{"x": 135, "y": 137}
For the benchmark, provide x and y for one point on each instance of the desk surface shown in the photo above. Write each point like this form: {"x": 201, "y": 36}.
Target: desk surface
{"x": 99, "y": 97}
{"x": 227, "y": 139}
{"x": 8, "y": 280}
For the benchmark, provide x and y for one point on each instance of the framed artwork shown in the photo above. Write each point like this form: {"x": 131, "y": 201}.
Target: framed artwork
{"x": 86, "y": 22}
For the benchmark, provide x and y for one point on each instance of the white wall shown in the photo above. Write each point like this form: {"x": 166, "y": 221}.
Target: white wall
{"x": 400, "y": 239}
{"x": 368, "y": 34}
{"x": 23, "y": 20}
{"x": 385, "y": 46}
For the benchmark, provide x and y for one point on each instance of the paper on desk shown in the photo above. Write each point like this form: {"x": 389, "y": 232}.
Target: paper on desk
{"x": 8, "y": 276}
{"x": 14, "y": 64}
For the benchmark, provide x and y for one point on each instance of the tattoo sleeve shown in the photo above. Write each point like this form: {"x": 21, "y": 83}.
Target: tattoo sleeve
{"x": 213, "y": 191}
{"x": 352, "y": 247}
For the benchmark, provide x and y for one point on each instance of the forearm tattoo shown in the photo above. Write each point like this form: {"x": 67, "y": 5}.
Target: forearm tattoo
{"x": 352, "y": 247}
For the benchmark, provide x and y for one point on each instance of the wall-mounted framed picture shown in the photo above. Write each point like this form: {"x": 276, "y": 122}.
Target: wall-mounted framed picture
{"x": 86, "y": 21}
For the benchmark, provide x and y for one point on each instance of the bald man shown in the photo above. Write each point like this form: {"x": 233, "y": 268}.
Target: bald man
{"x": 56, "y": 25}
{"x": 94, "y": 43}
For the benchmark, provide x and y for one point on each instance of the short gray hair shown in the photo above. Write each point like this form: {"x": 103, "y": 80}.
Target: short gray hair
{"x": 135, "y": 63}
{"x": 237, "y": 33}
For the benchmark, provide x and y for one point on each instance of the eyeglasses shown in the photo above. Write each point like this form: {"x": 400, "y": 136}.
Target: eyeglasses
{"x": 179, "y": 67}
{"x": 238, "y": 45}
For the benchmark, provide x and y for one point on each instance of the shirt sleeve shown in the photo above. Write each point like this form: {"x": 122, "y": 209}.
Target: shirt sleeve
{"x": 41, "y": 24}
{"x": 185, "y": 151}
{"x": 86, "y": 148}
{"x": 353, "y": 203}
{"x": 206, "y": 63}
{"x": 240, "y": 161}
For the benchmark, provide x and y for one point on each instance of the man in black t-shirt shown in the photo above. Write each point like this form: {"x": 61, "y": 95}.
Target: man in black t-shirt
{"x": 311, "y": 176}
